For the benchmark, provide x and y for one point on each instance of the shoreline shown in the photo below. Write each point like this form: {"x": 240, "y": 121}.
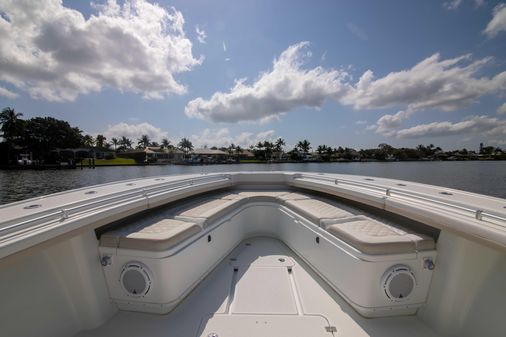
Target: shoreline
{"x": 78, "y": 166}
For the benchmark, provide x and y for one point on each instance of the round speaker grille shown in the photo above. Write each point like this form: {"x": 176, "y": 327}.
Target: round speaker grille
{"x": 135, "y": 279}
{"x": 398, "y": 283}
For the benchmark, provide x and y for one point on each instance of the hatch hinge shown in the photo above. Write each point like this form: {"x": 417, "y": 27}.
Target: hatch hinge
{"x": 330, "y": 329}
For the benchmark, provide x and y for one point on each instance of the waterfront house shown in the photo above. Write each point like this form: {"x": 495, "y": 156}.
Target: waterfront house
{"x": 204, "y": 155}
{"x": 155, "y": 155}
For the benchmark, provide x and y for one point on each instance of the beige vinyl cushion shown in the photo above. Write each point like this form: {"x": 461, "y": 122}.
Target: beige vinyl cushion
{"x": 372, "y": 237}
{"x": 231, "y": 196}
{"x": 206, "y": 211}
{"x": 293, "y": 196}
{"x": 317, "y": 210}
{"x": 159, "y": 236}
{"x": 422, "y": 242}
{"x": 272, "y": 194}
{"x": 262, "y": 196}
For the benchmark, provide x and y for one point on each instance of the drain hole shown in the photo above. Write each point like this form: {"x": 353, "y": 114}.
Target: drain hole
{"x": 32, "y": 206}
{"x": 369, "y": 179}
{"x": 247, "y": 244}
{"x": 401, "y": 184}
{"x": 209, "y": 238}
{"x": 317, "y": 239}
{"x": 233, "y": 259}
{"x": 281, "y": 260}
{"x": 446, "y": 193}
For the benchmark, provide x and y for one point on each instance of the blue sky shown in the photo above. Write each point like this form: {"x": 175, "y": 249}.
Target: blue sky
{"x": 340, "y": 73}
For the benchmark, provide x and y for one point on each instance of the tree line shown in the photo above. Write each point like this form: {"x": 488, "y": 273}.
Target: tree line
{"x": 41, "y": 135}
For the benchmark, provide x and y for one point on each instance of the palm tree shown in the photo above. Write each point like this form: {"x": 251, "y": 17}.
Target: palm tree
{"x": 125, "y": 143}
{"x": 115, "y": 142}
{"x": 185, "y": 145}
{"x": 280, "y": 142}
{"x": 238, "y": 152}
{"x": 324, "y": 152}
{"x": 304, "y": 146}
{"x": 144, "y": 141}
{"x": 100, "y": 141}
{"x": 165, "y": 143}
{"x": 278, "y": 147}
{"x": 11, "y": 124}
{"x": 268, "y": 147}
{"x": 11, "y": 127}
{"x": 88, "y": 141}
{"x": 259, "y": 150}
{"x": 321, "y": 149}
{"x": 330, "y": 152}
{"x": 231, "y": 149}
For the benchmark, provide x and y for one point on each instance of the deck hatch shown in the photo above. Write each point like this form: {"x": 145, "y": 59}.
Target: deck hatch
{"x": 264, "y": 290}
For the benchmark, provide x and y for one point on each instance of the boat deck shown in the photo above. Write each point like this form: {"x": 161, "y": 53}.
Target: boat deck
{"x": 261, "y": 289}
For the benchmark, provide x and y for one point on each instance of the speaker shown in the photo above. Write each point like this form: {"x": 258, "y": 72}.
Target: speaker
{"x": 135, "y": 278}
{"x": 398, "y": 283}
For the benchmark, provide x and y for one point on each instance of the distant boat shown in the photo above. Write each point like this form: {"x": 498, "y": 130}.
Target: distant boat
{"x": 25, "y": 159}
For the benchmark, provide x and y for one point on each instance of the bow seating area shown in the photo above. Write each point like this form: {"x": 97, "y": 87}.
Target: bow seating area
{"x": 363, "y": 233}
{"x": 202, "y": 231}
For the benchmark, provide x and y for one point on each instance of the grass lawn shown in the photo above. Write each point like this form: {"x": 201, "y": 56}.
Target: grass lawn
{"x": 252, "y": 161}
{"x": 115, "y": 161}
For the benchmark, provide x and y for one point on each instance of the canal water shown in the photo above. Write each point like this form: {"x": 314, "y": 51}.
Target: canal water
{"x": 485, "y": 177}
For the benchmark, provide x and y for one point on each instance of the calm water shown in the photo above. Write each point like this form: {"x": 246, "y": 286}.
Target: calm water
{"x": 477, "y": 176}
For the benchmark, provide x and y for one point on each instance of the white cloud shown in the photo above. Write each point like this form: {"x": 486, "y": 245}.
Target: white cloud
{"x": 498, "y": 22}
{"x": 452, "y": 4}
{"x": 7, "y": 93}
{"x": 201, "y": 34}
{"x": 357, "y": 31}
{"x": 455, "y": 4}
{"x": 286, "y": 87}
{"x": 483, "y": 125}
{"x": 387, "y": 124}
{"x": 224, "y": 46}
{"x": 135, "y": 131}
{"x": 55, "y": 53}
{"x": 501, "y": 110}
{"x": 223, "y": 137}
{"x": 433, "y": 83}
{"x": 361, "y": 122}
{"x": 265, "y": 135}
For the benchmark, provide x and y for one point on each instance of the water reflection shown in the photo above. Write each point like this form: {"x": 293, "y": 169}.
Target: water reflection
{"x": 477, "y": 176}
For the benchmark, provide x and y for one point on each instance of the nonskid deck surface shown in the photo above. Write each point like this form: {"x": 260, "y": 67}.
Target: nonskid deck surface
{"x": 261, "y": 289}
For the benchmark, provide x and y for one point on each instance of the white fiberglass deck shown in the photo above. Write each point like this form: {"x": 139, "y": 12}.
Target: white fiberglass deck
{"x": 261, "y": 289}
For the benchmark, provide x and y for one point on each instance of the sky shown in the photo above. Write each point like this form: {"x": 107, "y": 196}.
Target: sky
{"x": 341, "y": 73}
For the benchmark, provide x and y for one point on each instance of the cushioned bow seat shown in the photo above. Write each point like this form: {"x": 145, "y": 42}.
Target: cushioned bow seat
{"x": 272, "y": 194}
{"x": 373, "y": 237}
{"x": 262, "y": 196}
{"x": 206, "y": 211}
{"x": 159, "y": 236}
{"x": 317, "y": 210}
{"x": 293, "y": 196}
